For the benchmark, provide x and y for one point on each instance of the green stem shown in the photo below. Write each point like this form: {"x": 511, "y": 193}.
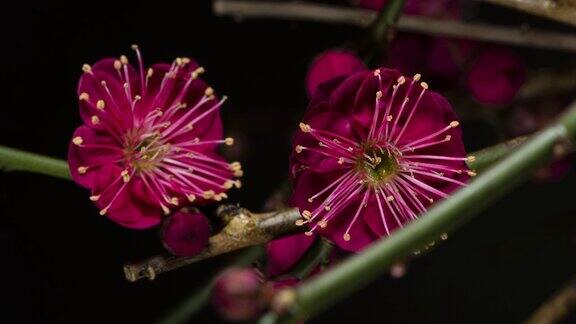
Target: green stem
{"x": 17, "y": 160}
{"x": 200, "y": 297}
{"x": 490, "y": 155}
{"x": 339, "y": 282}
{"x": 313, "y": 257}
{"x": 382, "y": 32}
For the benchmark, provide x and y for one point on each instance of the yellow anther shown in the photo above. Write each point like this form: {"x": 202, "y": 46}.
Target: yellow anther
{"x": 378, "y": 94}
{"x": 209, "y": 92}
{"x": 238, "y": 184}
{"x": 299, "y": 148}
{"x": 134, "y": 46}
{"x": 86, "y": 68}
{"x": 448, "y": 137}
{"x": 78, "y": 140}
{"x": 125, "y": 176}
{"x": 228, "y": 184}
{"x": 327, "y": 208}
{"x": 100, "y": 104}
{"x": 322, "y": 224}
{"x": 165, "y": 209}
{"x": 346, "y": 237}
{"x": 235, "y": 166}
{"x": 471, "y": 173}
{"x": 390, "y": 198}
{"x": 95, "y": 120}
{"x": 238, "y": 173}
{"x": 84, "y": 96}
{"x": 377, "y": 72}
{"x": 306, "y": 214}
{"x": 454, "y": 124}
{"x": 208, "y": 194}
{"x": 389, "y": 118}
{"x": 123, "y": 59}
{"x": 150, "y": 72}
{"x": 174, "y": 201}
{"x": 305, "y": 127}
{"x": 401, "y": 80}
{"x": 417, "y": 77}
{"x": 470, "y": 158}
{"x": 424, "y": 85}
{"x": 229, "y": 141}
{"x": 310, "y": 200}
{"x": 308, "y": 233}
{"x": 95, "y": 197}
{"x": 82, "y": 169}
{"x": 299, "y": 222}
{"x": 103, "y": 211}
{"x": 117, "y": 64}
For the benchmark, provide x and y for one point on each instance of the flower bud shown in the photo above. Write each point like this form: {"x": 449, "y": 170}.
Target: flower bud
{"x": 186, "y": 232}
{"x": 496, "y": 76}
{"x": 237, "y": 294}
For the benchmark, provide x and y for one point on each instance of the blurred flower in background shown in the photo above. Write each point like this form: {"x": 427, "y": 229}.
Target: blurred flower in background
{"x": 329, "y": 65}
{"x": 237, "y": 295}
{"x": 496, "y": 76}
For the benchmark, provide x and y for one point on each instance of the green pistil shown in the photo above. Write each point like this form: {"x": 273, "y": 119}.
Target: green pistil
{"x": 381, "y": 169}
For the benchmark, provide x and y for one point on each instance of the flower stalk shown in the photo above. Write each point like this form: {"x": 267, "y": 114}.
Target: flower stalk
{"x": 356, "y": 272}
{"x": 17, "y": 160}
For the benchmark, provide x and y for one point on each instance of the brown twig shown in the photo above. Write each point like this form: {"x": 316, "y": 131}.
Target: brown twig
{"x": 548, "y": 82}
{"x": 242, "y": 229}
{"x": 521, "y": 36}
{"x": 563, "y": 11}
{"x": 557, "y": 307}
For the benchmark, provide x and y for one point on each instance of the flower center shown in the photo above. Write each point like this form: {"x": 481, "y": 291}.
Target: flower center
{"x": 145, "y": 152}
{"x": 378, "y": 165}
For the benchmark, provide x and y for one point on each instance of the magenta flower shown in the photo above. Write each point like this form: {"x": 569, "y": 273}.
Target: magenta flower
{"x": 329, "y": 65}
{"x": 284, "y": 253}
{"x": 186, "y": 232}
{"x": 238, "y": 294}
{"x": 149, "y": 140}
{"x": 496, "y": 76}
{"x": 374, "y": 151}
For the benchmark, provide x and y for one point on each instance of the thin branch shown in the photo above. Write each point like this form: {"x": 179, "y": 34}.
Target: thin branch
{"x": 17, "y": 160}
{"x": 341, "y": 281}
{"x": 243, "y": 229}
{"x": 561, "y": 11}
{"x": 382, "y": 32}
{"x": 242, "y": 9}
{"x": 557, "y": 307}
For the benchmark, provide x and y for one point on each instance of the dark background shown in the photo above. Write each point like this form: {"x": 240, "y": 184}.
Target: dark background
{"x": 62, "y": 262}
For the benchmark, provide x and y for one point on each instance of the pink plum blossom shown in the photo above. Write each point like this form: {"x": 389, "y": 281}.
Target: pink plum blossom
{"x": 149, "y": 139}
{"x": 374, "y": 151}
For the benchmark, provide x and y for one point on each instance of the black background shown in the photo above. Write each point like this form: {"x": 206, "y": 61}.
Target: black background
{"x": 62, "y": 262}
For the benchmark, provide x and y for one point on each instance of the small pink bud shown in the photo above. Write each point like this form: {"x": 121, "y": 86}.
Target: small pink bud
{"x": 237, "y": 294}
{"x": 186, "y": 232}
